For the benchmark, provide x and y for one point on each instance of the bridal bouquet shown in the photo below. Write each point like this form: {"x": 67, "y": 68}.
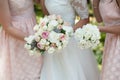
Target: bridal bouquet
{"x": 88, "y": 36}
{"x": 51, "y": 34}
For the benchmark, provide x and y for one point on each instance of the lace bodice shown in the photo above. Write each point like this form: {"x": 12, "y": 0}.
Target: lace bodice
{"x": 18, "y": 7}
{"x": 80, "y": 6}
{"x": 67, "y": 9}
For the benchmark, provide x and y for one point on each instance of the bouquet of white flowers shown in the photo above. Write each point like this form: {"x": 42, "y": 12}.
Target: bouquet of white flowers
{"x": 88, "y": 36}
{"x": 51, "y": 34}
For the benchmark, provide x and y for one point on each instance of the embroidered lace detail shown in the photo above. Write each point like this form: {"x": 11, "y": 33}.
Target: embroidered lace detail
{"x": 81, "y": 8}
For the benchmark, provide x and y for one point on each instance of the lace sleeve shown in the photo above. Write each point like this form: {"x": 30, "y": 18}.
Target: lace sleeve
{"x": 81, "y": 8}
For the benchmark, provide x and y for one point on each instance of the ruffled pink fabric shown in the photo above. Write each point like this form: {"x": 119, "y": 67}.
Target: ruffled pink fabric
{"x": 15, "y": 62}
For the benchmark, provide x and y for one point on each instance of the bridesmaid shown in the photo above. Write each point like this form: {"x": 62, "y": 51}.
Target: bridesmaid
{"x": 109, "y": 12}
{"x": 17, "y": 19}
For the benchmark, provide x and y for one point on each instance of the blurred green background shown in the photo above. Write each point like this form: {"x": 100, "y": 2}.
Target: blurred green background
{"x": 98, "y": 51}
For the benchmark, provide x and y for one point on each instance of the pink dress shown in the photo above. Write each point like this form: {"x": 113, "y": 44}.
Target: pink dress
{"x": 111, "y": 60}
{"x": 15, "y": 63}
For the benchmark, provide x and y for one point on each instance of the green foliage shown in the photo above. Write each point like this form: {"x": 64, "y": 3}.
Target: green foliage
{"x": 38, "y": 11}
{"x": 98, "y": 51}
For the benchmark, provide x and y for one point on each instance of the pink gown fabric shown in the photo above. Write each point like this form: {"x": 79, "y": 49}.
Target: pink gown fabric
{"x": 15, "y": 63}
{"x": 111, "y": 60}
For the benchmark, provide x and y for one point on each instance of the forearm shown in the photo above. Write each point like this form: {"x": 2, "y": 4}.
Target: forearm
{"x": 110, "y": 29}
{"x": 15, "y": 33}
{"x": 96, "y": 10}
{"x": 42, "y": 3}
{"x": 5, "y": 21}
{"x": 80, "y": 23}
{"x": 96, "y": 3}
{"x": 12, "y": 31}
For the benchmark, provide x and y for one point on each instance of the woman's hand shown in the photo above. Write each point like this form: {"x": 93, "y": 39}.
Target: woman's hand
{"x": 5, "y": 21}
{"x": 80, "y": 23}
{"x": 14, "y": 32}
{"x": 110, "y": 29}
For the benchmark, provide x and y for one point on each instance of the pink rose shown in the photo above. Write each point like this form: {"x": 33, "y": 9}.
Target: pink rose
{"x": 40, "y": 46}
{"x": 43, "y": 24}
{"x": 59, "y": 26}
{"x": 66, "y": 24}
{"x": 53, "y": 45}
{"x": 45, "y": 34}
{"x": 62, "y": 37}
{"x": 59, "y": 17}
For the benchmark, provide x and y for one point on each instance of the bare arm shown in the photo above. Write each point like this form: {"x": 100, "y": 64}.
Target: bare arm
{"x": 81, "y": 8}
{"x": 96, "y": 10}
{"x": 107, "y": 29}
{"x": 111, "y": 29}
{"x": 5, "y": 21}
{"x": 80, "y": 23}
{"x": 118, "y": 2}
{"x": 42, "y": 3}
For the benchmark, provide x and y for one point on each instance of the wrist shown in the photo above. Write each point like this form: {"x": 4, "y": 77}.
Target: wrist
{"x": 101, "y": 29}
{"x": 95, "y": 7}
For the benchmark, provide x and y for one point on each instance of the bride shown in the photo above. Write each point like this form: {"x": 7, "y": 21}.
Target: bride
{"x": 71, "y": 63}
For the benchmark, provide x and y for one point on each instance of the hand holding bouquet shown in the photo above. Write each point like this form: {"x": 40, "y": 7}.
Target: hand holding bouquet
{"x": 88, "y": 36}
{"x": 51, "y": 34}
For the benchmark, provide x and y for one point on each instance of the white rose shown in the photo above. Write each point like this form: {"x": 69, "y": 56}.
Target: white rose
{"x": 37, "y": 38}
{"x": 93, "y": 38}
{"x": 52, "y": 17}
{"x": 78, "y": 30}
{"x": 43, "y": 41}
{"x": 60, "y": 21}
{"x": 58, "y": 43}
{"x": 36, "y": 28}
{"x": 27, "y": 46}
{"x": 35, "y": 52}
{"x": 53, "y": 37}
{"x": 45, "y": 19}
{"x": 59, "y": 47}
{"x": 79, "y": 34}
{"x": 47, "y": 43}
{"x": 68, "y": 29}
{"x": 45, "y": 27}
{"x": 87, "y": 35}
{"x": 53, "y": 23}
{"x": 47, "y": 47}
{"x": 50, "y": 28}
{"x": 51, "y": 50}
{"x": 65, "y": 42}
{"x": 29, "y": 39}
{"x": 39, "y": 32}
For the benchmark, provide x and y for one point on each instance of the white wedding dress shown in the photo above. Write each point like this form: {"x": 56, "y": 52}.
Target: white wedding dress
{"x": 71, "y": 63}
